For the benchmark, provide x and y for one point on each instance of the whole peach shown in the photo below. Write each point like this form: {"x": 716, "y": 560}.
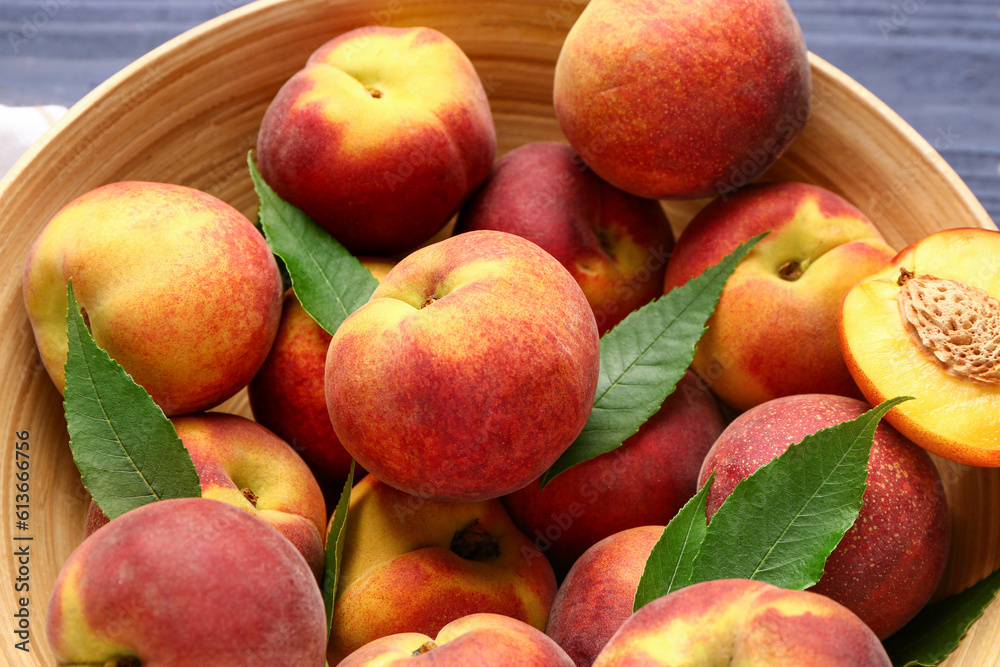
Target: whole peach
{"x": 469, "y": 371}
{"x": 643, "y": 482}
{"x": 682, "y": 98}
{"x": 176, "y": 285}
{"x": 287, "y": 394}
{"x": 411, "y": 564}
{"x": 484, "y": 640}
{"x": 598, "y": 594}
{"x": 380, "y": 138}
{"x": 185, "y": 583}
{"x": 615, "y": 244}
{"x": 887, "y": 566}
{"x": 242, "y": 463}
{"x": 784, "y": 295}
{"x": 740, "y": 623}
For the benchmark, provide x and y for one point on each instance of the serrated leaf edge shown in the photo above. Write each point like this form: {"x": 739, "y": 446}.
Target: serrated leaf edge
{"x": 726, "y": 266}
{"x": 265, "y": 192}
{"x": 695, "y": 506}
{"x": 867, "y": 422}
{"x": 335, "y": 538}
{"x": 76, "y": 325}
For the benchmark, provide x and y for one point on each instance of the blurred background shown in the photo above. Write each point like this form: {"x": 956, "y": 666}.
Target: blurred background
{"x": 935, "y": 62}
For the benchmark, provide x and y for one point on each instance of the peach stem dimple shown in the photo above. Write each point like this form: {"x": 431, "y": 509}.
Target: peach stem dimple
{"x": 426, "y": 647}
{"x": 250, "y": 496}
{"x": 790, "y": 271}
{"x": 474, "y": 542}
{"x": 607, "y": 241}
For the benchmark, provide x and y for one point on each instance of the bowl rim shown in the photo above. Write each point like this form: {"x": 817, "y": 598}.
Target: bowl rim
{"x": 158, "y": 56}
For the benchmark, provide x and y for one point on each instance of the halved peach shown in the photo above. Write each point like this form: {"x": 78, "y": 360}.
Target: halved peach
{"x": 928, "y": 326}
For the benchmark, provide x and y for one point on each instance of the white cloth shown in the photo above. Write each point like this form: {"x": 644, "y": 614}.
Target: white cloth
{"x": 22, "y": 126}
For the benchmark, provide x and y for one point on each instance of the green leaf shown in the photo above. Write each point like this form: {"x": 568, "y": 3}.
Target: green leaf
{"x": 936, "y": 631}
{"x": 781, "y": 523}
{"x": 126, "y": 449}
{"x": 329, "y": 282}
{"x": 642, "y": 359}
{"x": 670, "y": 563}
{"x": 335, "y": 549}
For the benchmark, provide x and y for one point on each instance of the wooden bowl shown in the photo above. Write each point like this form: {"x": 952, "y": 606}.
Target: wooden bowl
{"x": 188, "y": 113}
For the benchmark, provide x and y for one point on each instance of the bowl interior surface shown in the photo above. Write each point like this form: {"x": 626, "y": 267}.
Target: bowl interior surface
{"x": 189, "y": 112}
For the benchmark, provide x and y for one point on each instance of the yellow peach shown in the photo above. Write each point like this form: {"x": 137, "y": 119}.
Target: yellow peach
{"x": 928, "y": 326}
{"x": 411, "y": 564}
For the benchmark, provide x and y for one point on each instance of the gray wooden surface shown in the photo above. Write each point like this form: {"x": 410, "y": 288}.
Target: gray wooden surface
{"x": 936, "y": 62}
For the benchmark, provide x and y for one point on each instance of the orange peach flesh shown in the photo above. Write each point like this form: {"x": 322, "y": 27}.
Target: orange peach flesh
{"x": 955, "y": 414}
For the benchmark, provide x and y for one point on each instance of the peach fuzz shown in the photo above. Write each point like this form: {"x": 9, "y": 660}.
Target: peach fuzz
{"x": 682, "y": 98}
{"x": 380, "y": 138}
{"x": 786, "y": 293}
{"x": 287, "y": 394}
{"x": 411, "y": 564}
{"x": 889, "y": 563}
{"x": 643, "y": 482}
{"x": 741, "y": 623}
{"x": 469, "y": 371}
{"x": 186, "y": 583}
{"x": 241, "y": 463}
{"x": 614, "y": 244}
{"x": 176, "y": 285}
{"x": 935, "y": 338}
{"x": 598, "y": 594}
{"x": 484, "y": 640}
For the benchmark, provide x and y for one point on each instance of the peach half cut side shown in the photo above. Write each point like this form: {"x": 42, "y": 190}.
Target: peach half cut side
{"x": 928, "y": 326}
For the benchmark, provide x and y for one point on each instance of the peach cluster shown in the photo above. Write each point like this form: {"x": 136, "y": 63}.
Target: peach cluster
{"x": 475, "y": 365}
